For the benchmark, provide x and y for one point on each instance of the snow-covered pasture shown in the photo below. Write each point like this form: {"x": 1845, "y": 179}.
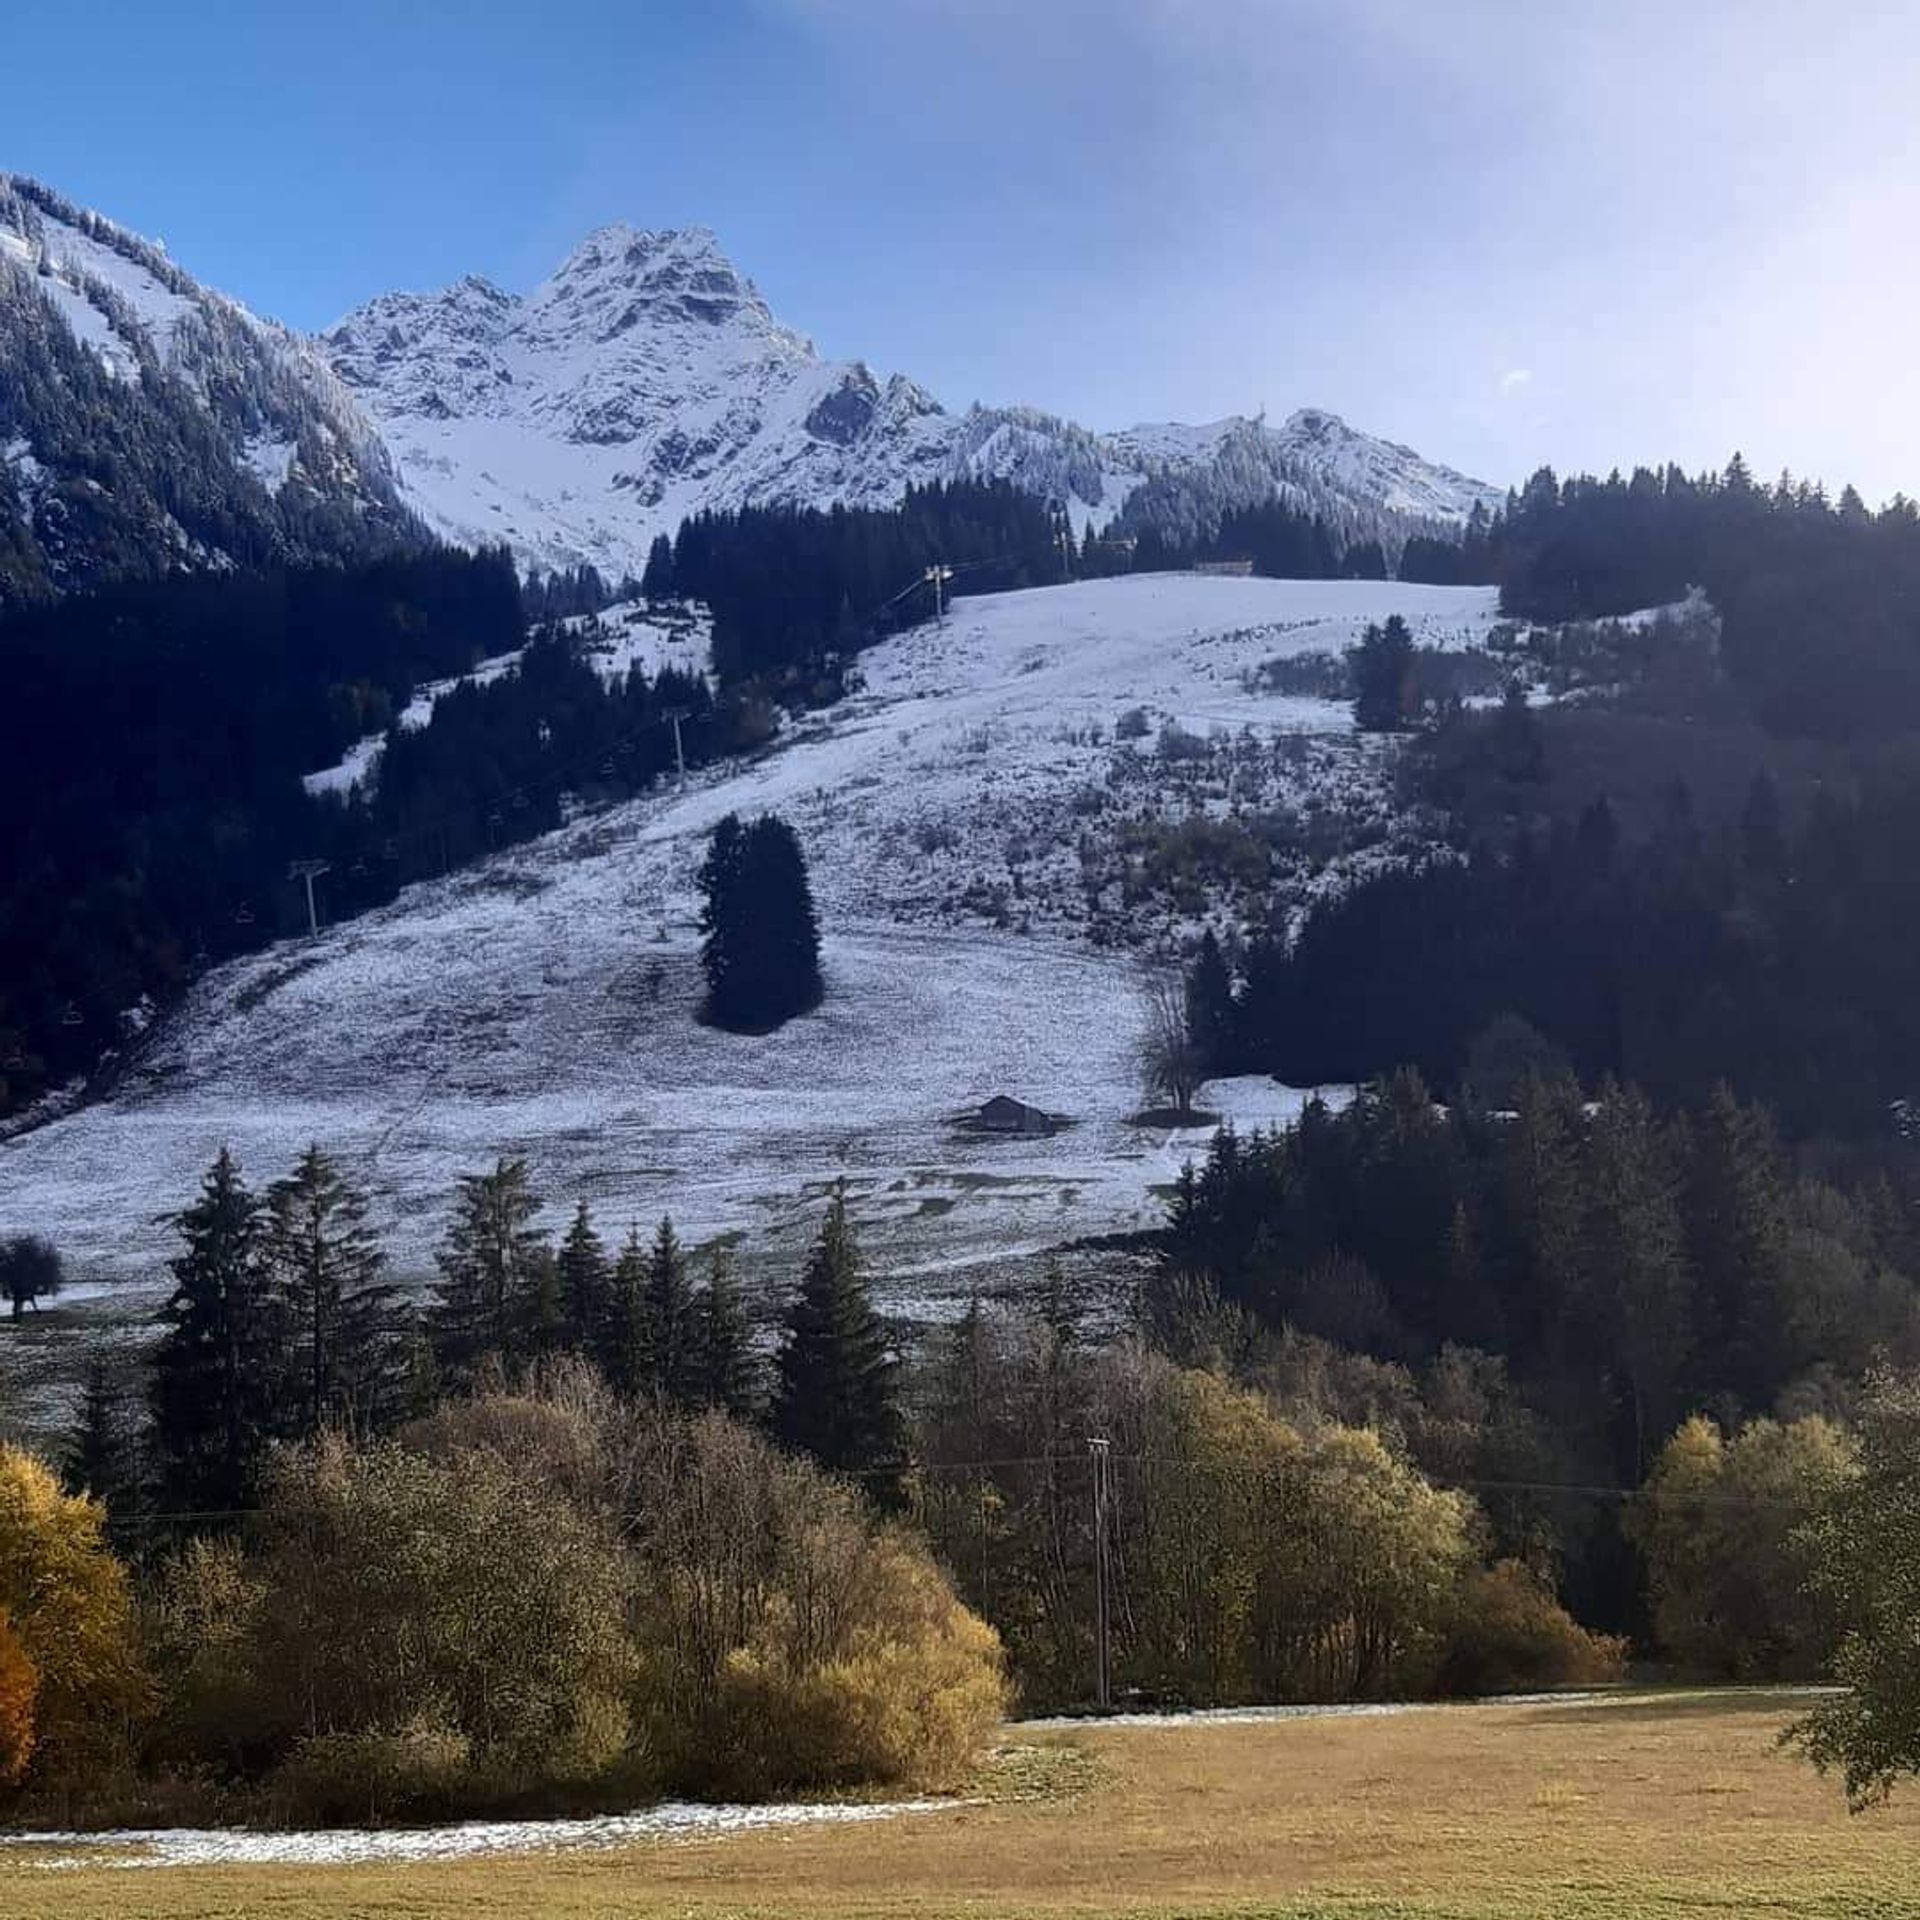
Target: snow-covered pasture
{"x": 545, "y": 1002}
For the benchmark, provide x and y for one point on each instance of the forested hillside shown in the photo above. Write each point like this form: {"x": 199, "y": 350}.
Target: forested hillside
{"x": 148, "y": 426}
{"x": 150, "y": 819}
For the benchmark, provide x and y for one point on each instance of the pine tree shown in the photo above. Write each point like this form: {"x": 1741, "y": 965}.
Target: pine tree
{"x": 656, "y": 583}
{"x": 670, "y": 1355}
{"x": 761, "y": 945}
{"x": 1210, "y": 1008}
{"x": 1736, "y": 1233}
{"x": 104, "y": 1455}
{"x": 1383, "y": 677}
{"x": 837, "y": 1397}
{"x": 623, "y": 1340}
{"x": 729, "y": 1372}
{"x": 584, "y": 1283}
{"x": 1635, "y": 1283}
{"x": 220, "y": 1368}
{"x": 344, "y": 1320}
{"x": 492, "y": 1267}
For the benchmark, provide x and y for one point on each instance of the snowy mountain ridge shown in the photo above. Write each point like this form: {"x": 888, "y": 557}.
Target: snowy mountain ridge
{"x": 647, "y": 379}
{"x": 147, "y": 422}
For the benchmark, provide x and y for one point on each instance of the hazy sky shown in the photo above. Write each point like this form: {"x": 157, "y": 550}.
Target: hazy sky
{"x": 1506, "y": 231}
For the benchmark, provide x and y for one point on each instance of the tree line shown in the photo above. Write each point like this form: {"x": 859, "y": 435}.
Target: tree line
{"x": 577, "y": 1468}
{"x": 796, "y": 592}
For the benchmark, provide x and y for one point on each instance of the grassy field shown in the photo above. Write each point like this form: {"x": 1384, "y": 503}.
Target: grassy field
{"x": 1670, "y": 1806}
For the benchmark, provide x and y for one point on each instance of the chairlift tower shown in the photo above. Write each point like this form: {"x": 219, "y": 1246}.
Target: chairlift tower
{"x": 310, "y": 871}
{"x": 675, "y": 715}
{"x": 937, "y": 577}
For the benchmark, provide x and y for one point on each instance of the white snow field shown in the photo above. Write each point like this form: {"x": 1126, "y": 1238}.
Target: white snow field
{"x": 544, "y": 1003}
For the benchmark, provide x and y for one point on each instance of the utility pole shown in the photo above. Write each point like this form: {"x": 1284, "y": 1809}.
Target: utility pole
{"x": 1100, "y": 1453}
{"x": 310, "y": 871}
{"x": 1064, "y": 541}
{"x": 937, "y": 577}
{"x": 676, "y": 715}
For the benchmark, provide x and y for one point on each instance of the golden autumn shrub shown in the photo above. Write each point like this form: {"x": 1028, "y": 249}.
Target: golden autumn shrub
{"x": 68, "y": 1603}
{"x": 19, "y": 1692}
{"x": 1510, "y": 1635}
{"x": 789, "y": 1639}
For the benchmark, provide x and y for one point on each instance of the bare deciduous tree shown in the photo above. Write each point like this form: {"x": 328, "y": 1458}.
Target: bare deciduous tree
{"x": 1170, "y": 1062}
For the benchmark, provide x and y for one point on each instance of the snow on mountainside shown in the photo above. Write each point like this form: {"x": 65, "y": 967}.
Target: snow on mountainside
{"x": 979, "y": 821}
{"x": 148, "y": 423}
{"x": 647, "y": 379}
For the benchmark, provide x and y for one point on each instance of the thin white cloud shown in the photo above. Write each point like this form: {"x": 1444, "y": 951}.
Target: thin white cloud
{"x": 1515, "y": 380}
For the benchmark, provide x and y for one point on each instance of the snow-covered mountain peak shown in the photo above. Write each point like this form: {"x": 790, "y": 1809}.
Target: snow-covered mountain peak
{"x": 646, "y": 379}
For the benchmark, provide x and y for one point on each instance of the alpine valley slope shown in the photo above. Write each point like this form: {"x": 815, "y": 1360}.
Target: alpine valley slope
{"x": 544, "y": 1003}
{"x": 646, "y": 380}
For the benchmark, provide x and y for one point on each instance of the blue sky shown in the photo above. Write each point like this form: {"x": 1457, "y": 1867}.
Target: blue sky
{"x": 1505, "y": 232}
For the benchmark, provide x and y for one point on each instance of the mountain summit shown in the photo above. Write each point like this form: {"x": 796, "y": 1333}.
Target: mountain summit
{"x": 647, "y": 379}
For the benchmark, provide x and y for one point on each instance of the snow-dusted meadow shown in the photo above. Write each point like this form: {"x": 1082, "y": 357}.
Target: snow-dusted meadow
{"x": 544, "y": 1003}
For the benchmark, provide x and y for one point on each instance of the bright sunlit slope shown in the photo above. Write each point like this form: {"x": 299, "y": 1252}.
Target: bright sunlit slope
{"x": 545, "y": 1003}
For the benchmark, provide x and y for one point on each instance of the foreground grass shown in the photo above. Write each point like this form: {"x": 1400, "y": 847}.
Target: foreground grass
{"x": 1640, "y": 1806}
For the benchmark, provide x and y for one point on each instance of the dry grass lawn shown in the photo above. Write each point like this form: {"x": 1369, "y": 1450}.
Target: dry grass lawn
{"x": 1673, "y": 1806}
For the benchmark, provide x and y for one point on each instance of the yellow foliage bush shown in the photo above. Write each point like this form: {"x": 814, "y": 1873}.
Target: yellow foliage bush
{"x": 1510, "y": 1635}
{"x": 67, "y": 1600}
{"x": 19, "y": 1690}
{"x": 421, "y": 1768}
{"x": 906, "y": 1700}
{"x": 790, "y": 1640}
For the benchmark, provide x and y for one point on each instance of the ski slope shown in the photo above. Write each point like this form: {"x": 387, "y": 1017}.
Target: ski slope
{"x": 544, "y": 1003}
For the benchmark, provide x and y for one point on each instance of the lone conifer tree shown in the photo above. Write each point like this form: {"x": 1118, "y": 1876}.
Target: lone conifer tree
{"x": 728, "y": 1374}
{"x": 344, "y": 1320}
{"x": 219, "y": 1370}
{"x": 761, "y": 951}
{"x": 1383, "y": 677}
{"x": 492, "y": 1267}
{"x": 838, "y": 1391}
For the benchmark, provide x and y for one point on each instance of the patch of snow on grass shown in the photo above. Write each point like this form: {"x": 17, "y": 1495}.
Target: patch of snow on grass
{"x": 349, "y": 1846}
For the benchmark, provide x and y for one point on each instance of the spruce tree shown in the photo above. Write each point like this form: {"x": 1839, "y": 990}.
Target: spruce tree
{"x": 1210, "y": 1008}
{"x": 493, "y": 1265}
{"x": 761, "y": 936}
{"x": 349, "y": 1361}
{"x": 584, "y": 1281}
{"x": 729, "y": 1372}
{"x": 656, "y": 583}
{"x": 1737, "y": 1240}
{"x": 220, "y": 1368}
{"x": 623, "y": 1339}
{"x": 1383, "y": 677}
{"x": 104, "y": 1454}
{"x": 670, "y": 1358}
{"x": 837, "y": 1397}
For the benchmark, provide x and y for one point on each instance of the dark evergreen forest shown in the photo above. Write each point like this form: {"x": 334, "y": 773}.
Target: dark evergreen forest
{"x": 149, "y": 817}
